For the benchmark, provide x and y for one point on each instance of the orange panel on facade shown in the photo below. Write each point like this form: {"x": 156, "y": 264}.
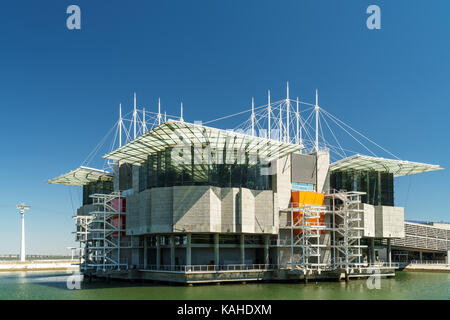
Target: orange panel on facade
{"x": 307, "y": 198}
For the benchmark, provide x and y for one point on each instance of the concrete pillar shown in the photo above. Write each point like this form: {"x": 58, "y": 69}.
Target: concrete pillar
{"x": 172, "y": 251}
{"x": 379, "y": 188}
{"x": 145, "y": 252}
{"x": 266, "y": 249}
{"x": 158, "y": 252}
{"x": 372, "y": 250}
{"x": 448, "y": 257}
{"x": 420, "y": 255}
{"x": 188, "y": 249}
{"x": 242, "y": 249}
{"x": 216, "y": 249}
{"x": 389, "y": 251}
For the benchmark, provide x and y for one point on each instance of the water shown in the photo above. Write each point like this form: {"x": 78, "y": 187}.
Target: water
{"x": 52, "y": 285}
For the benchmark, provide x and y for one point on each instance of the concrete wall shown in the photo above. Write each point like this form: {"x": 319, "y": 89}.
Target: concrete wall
{"x": 389, "y": 222}
{"x": 281, "y": 183}
{"x": 116, "y": 176}
{"x": 161, "y": 210}
{"x": 247, "y": 211}
{"x": 304, "y": 168}
{"x": 201, "y": 209}
{"x": 135, "y": 178}
{"x": 368, "y": 221}
{"x": 228, "y": 209}
{"x": 192, "y": 209}
{"x": 323, "y": 177}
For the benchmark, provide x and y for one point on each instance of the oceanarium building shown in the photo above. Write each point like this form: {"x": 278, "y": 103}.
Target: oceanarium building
{"x": 191, "y": 203}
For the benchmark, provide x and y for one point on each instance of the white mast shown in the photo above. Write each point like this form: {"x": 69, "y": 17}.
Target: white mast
{"x": 268, "y": 112}
{"x": 181, "y": 113}
{"x": 281, "y": 122}
{"x": 144, "y": 125}
{"x": 22, "y": 207}
{"x": 317, "y": 120}
{"x": 253, "y": 117}
{"x": 288, "y": 106}
{"x": 165, "y": 116}
{"x": 159, "y": 111}
{"x": 297, "y": 117}
{"x": 134, "y": 116}
{"x": 120, "y": 125}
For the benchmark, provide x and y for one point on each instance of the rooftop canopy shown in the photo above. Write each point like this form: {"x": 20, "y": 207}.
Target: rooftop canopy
{"x": 182, "y": 134}
{"x": 81, "y": 176}
{"x": 397, "y": 167}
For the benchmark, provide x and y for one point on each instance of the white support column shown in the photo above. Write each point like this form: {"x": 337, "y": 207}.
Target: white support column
{"x": 120, "y": 125}
{"x": 188, "y": 249}
{"x": 181, "y": 113}
{"x": 22, "y": 244}
{"x": 242, "y": 249}
{"x": 134, "y": 116}
{"x": 281, "y": 122}
{"x": 268, "y": 114}
{"x": 144, "y": 124}
{"x": 288, "y": 107}
{"x": 22, "y": 207}
{"x": 216, "y": 249}
{"x": 297, "y": 118}
{"x": 253, "y": 117}
{"x": 317, "y": 121}
{"x": 159, "y": 111}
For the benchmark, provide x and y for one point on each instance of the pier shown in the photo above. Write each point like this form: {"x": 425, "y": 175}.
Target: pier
{"x": 38, "y": 265}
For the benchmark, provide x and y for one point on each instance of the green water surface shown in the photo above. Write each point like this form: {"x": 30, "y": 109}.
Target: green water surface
{"x": 53, "y": 285}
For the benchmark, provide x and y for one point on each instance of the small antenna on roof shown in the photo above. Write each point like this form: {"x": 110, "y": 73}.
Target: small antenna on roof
{"x": 120, "y": 125}
{"x": 288, "y": 106}
{"x": 253, "y": 117}
{"x": 144, "y": 125}
{"x": 317, "y": 120}
{"x": 134, "y": 116}
{"x": 181, "y": 113}
{"x": 268, "y": 112}
{"x": 159, "y": 111}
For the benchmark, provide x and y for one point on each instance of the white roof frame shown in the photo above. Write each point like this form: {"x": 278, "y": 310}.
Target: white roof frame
{"x": 397, "y": 167}
{"x": 181, "y": 134}
{"x": 81, "y": 176}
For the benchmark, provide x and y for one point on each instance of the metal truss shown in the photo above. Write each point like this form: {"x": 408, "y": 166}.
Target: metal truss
{"x": 348, "y": 229}
{"x": 310, "y": 238}
{"x": 100, "y": 236}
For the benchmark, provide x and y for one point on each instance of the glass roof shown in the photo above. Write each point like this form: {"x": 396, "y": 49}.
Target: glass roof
{"x": 81, "y": 176}
{"x": 397, "y": 167}
{"x": 182, "y": 134}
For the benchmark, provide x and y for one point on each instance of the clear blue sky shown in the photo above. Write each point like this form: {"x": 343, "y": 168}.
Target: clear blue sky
{"x": 59, "y": 89}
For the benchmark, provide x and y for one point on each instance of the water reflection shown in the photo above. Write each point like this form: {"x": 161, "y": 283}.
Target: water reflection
{"x": 51, "y": 285}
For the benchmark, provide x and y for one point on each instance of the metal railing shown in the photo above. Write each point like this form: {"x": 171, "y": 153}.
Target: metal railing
{"x": 209, "y": 268}
{"x": 428, "y": 262}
